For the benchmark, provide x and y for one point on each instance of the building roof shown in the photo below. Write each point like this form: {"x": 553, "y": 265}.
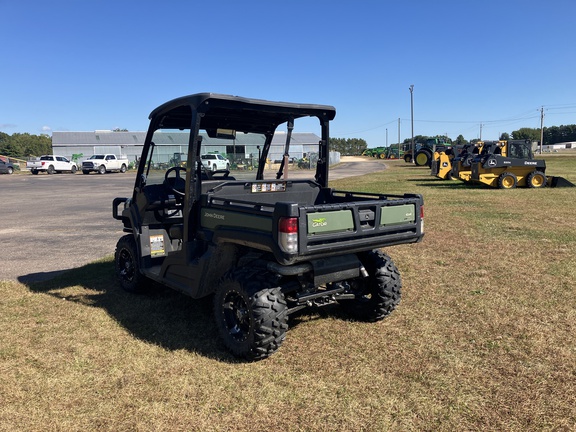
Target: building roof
{"x": 98, "y": 138}
{"x": 111, "y": 138}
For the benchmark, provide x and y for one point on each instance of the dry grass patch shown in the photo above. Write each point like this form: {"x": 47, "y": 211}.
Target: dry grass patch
{"x": 484, "y": 338}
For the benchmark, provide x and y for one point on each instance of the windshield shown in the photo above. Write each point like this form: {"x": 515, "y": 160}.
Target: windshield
{"x": 239, "y": 155}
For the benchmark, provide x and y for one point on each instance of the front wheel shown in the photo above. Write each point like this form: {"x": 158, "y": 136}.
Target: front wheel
{"x": 102, "y": 169}
{"x": 252, "y": 318}
{"x": 378, "y": 294}
{"x": 10, "y": 170}
{"x": 127, "y": 266}
{"x": 536, "y": 179}
{"x": 73, "y": 169}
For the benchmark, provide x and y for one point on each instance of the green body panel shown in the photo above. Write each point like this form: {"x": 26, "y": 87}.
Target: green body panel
{"x": 333, "y": 221}
{"x": 213, "y": 219}
{"x": 397, "y": 215}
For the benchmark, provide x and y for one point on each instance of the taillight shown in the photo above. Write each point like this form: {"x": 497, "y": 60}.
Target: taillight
{"x": 422, "y": 218}
{"x": 288, "y": 234}
{"x": 43, "y": 163}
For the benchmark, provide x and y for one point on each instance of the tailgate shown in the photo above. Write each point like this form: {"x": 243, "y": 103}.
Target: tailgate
{"x": 360, "y": 225}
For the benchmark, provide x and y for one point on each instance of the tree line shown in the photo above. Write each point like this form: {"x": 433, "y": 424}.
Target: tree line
{"x": 24, "y": 145}
{"x": 348, "y": 146}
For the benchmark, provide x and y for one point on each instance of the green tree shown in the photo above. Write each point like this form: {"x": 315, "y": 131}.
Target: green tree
{"x": 348, "y": 146}
{"x": 532, "y": 134}
{"x": 460, "y": 140}
{"x": 558, "y": 134}
{"x": 22, "y": 145}
{"x": 505, "y": 136}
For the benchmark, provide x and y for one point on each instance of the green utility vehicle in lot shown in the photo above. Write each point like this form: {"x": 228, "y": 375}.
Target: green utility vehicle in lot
{"x": 263, "y": 243}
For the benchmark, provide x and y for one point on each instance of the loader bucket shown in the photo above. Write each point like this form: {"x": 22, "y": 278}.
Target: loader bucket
{"x": 559, "y": 182}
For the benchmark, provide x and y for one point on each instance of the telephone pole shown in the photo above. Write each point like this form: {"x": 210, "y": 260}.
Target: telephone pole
{"x": 412, "y": 120}
{"x": 398, "y": 137}
{"x": 541, "y": 128}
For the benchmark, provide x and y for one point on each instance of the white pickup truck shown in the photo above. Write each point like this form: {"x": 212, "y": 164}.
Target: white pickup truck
{"x": 102, "y": 163}
{"x": 51, "y": 164}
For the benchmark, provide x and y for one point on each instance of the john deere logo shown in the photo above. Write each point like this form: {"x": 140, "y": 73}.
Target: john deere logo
{"x": 492, "y": 162}
{"x": 320, "y": 222}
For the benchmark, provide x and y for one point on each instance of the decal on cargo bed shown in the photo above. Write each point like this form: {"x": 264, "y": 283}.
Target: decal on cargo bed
{"x": 319, "y": 222}
{"x": 214, "y": 215}
{"x": 330, "y": 222}
{"x": 268, "y": 187}
{"x": 397, "y": 215}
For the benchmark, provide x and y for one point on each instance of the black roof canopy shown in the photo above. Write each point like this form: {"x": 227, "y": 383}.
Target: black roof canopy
{"x": 235, "y": 112}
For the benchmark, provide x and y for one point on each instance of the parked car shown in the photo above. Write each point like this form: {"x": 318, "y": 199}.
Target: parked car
{"x": 103, "y": 163}
{"x": 6, "y": 167}
{"x": 51, "y": 164}
{"x": 215, "y": 162}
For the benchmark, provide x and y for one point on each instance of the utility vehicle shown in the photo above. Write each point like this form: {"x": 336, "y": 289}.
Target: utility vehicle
{"x": 266, "y": 242}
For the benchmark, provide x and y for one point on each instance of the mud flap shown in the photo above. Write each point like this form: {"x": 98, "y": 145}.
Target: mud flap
{"x": 559, "y": 182}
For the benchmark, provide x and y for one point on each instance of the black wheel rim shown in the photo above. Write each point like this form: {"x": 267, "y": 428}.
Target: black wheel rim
{"x": 126, "y": 265}
{"x": 236, "y": 316}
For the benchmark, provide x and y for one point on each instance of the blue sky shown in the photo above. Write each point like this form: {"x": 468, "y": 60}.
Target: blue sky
{"x": 81, "y": 65}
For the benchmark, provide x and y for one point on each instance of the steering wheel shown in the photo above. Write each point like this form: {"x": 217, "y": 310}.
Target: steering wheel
{"x": 176, "y": 184}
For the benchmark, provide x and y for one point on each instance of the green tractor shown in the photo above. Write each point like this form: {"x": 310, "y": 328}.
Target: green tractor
{"x": 424, "y": 153}
{"x": 377, "y": 152}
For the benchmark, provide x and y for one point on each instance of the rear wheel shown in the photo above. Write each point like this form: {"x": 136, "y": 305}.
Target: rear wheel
{"x": 423, "y": 158}
{"x": 536, "y": 179}
{"x": 34, "y": 171}
{"x": 51, "y": 169}
{"x": 378, "y": 294}
{"x": 127, "y": 266}
{"x": 123, "y": 168}
{"x": 507, "y": 180}
{"x": 252, "y": 318}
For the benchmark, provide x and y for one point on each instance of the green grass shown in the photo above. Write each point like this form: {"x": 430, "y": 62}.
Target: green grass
{"x": 484, "y": 338}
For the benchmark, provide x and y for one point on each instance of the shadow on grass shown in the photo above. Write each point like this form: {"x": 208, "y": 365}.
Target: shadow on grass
{"x": 160, "y": 315}
{"x": 446, "y": 184}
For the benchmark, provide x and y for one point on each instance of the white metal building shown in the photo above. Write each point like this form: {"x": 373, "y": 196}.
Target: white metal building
{"x": 80, "y": 145}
